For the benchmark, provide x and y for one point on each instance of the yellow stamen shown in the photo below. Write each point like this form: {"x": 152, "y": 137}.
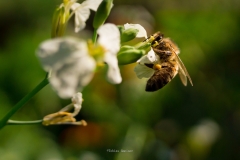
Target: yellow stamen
{"x": 96, "y": 51}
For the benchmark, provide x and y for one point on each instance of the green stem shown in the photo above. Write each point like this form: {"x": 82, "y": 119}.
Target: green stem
{"x": 13, "y": 122}
{"x": 22, "y": 102}
{"x": 94, "y": 38}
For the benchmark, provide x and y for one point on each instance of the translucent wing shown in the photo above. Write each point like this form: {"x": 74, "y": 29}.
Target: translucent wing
{"x": 183, "y": 73}
{"x": 182, "y": 76}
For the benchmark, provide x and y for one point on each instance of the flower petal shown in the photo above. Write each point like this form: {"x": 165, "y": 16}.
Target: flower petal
{"x": 77, "y": 103}
{"x": 70, "y": 65}
{"x": 82, "y": 13}
{"x": 141, "y": 31}
{"x": 113, "y": 74}
{"x": 72, "y": 76}
{"x": 92, "y": 4}
{"x": 152, "y": 56}
{"x": 54, "y": 53}
{"x": 109, "y": 37}
{"x": 79, "y": 24}
{"x": 77, "y": 98}
{"x": 143, "y": 60}
{"x": 143, "y": 71}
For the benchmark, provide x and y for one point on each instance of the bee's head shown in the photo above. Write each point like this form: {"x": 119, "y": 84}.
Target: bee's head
{"x": 158, "y": 36}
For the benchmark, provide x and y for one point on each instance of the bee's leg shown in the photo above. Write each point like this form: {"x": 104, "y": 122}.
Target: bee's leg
{"x": 153, "y": 66}
{"x": 162, "y": 52}
{"x": 157, "y": 66}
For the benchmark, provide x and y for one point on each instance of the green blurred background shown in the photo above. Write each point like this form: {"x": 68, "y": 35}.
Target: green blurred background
{"x": 175, "y": 123}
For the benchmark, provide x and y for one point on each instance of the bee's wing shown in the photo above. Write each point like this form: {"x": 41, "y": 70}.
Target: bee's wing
{"x": 182, "y": 76}
{"x": 183, "y": 73}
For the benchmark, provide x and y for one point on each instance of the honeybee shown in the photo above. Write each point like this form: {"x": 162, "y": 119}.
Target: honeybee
{"x": 168, "y": 66}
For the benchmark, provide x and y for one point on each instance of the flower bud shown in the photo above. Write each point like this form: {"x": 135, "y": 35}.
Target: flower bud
{"x": 131, "y": 55}
{"x": 59, "y": 22}
{"x": 102, "y": 13}
{"x": 125, "y": 47}
{"x": 121, "y": 28}
{"x": 144, "y": 46}
{"x": 128, "y": 34}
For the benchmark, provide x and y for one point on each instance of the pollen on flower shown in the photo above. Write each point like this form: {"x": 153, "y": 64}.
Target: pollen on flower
{"x": 64, "y": 116}
{"x": 58, "y": 118}
{"x": 95, "y": 50}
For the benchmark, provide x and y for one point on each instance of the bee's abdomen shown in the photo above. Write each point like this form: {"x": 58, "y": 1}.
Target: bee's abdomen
{"x": 160, "y": 78}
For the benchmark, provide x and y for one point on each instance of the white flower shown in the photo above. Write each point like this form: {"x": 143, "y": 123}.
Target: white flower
{"x": 77, "y": 103}
{"x": 109, "y": 38}
{"x": 142, "y": 33}
{"x": 70, "y": 64}
{"x": 141, "y": 70}
{"x": 81, "y": 11}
